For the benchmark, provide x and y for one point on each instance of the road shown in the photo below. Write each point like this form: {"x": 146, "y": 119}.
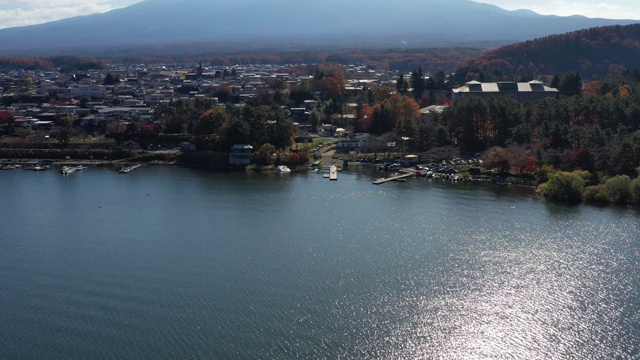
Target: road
{"x": 327, "y": 158}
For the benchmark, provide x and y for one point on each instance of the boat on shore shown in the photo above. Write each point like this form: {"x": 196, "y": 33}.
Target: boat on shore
{"x": 67, "y": 170}
{"x": 281, "y": 169}
{"x": 128, "y": 169}
{"x": 39, "y": 168}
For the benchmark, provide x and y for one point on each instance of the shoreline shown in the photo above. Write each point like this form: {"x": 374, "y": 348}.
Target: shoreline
{"x": 228, "y": 168}
{"x": 500, "y": 180}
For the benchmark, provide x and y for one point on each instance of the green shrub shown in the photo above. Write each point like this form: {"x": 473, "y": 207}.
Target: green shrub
{"x": 635, "y": 191}
{"x": 618, "y": 189}
{"x": 543, "y": 173}
{"x": 596, "y": 195}
{"x": 565, "y": 187}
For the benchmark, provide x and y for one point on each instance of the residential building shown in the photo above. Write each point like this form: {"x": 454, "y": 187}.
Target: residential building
{"x": 241, "y": 154}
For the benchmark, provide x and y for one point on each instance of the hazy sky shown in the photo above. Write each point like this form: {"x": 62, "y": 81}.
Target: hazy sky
{"x": 608, "y": 9}
{"x": 29, "y": 12}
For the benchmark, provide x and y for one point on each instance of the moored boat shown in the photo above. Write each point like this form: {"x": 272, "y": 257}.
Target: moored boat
{"x": 66, "y": 170}
{"x": 40, "y": 168}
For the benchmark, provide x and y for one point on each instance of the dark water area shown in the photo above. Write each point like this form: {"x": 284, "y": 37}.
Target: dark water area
{"x": 167, "y": 263}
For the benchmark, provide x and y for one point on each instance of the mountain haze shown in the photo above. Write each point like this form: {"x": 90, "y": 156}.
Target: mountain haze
{"x": 357, "y": 22}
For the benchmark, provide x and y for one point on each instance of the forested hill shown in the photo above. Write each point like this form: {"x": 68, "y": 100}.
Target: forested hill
{"x": 594, "y": 53}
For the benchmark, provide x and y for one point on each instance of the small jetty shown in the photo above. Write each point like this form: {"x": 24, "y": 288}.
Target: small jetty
{"x": 128, "y": 169}
{"x": 396, "y": 177}
{"x": 333, "y": 172}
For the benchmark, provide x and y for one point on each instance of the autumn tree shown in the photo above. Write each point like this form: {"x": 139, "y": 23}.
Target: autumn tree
{"x": 207, "y": 129}
{"x": 524, "y": 162}
{"x": 7, "y": 121}
{"x": 364, "y": 115}
{"x": 381, "y": 94}
{"x": 331, "y": 88}
{"x": 402, "y": 107}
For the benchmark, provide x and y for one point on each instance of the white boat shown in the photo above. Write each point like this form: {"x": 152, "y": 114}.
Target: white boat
{"x": 80, "y": 167}
{"x": 282, "y": 169}
{"x": 66, "y": 170}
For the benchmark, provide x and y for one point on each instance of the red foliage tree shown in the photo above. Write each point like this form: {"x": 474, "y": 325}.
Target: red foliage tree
{"x": 498, "y": 158}
{"x": 294, "y": 158}
{"x": 525, "y": 164}
{"x": 5, "y": 117}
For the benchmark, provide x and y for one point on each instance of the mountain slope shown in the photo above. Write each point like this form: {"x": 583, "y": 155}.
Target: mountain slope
{"x": 593, "y": 52}
{"x": 377, "y": 22}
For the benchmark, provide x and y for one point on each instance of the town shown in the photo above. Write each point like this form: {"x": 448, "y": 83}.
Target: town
{"x": 266, "y": 117}
{"x": 110, "y": 102}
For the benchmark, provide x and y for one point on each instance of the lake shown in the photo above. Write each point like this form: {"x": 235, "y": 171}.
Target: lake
{"x": 176, "y": 263}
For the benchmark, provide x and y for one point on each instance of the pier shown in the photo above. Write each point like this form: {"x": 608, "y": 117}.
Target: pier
{"x": 396, "y": 177}
{"x": 128, "y": 169}
{"x": 333, "y": 173}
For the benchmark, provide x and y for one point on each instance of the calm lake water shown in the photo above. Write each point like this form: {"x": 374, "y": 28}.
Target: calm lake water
{"x": 174, "y": 263}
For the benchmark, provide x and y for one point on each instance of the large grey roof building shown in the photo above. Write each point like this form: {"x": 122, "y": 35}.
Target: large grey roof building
{"x": 521, "y": 91}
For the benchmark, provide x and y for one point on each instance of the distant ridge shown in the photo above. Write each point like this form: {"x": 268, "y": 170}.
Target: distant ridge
{"x": 594, "y": 52}
{"x": 416, "y": 23}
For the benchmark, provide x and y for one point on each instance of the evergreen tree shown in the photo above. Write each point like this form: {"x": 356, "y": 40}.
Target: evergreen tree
{"x": 571, "y": 85}
{"x": 417, "y": 82}
{"x": 110, "y": 80}
{"x": 401, "y": 84}
{"x": 440, "y": 80}
{"x": 555, "y": 83}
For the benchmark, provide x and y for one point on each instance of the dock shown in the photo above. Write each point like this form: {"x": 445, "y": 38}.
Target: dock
{"x": 333, "y": 172}
{"x": 128, "y": 169}
{"x": 396, "y": 177}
